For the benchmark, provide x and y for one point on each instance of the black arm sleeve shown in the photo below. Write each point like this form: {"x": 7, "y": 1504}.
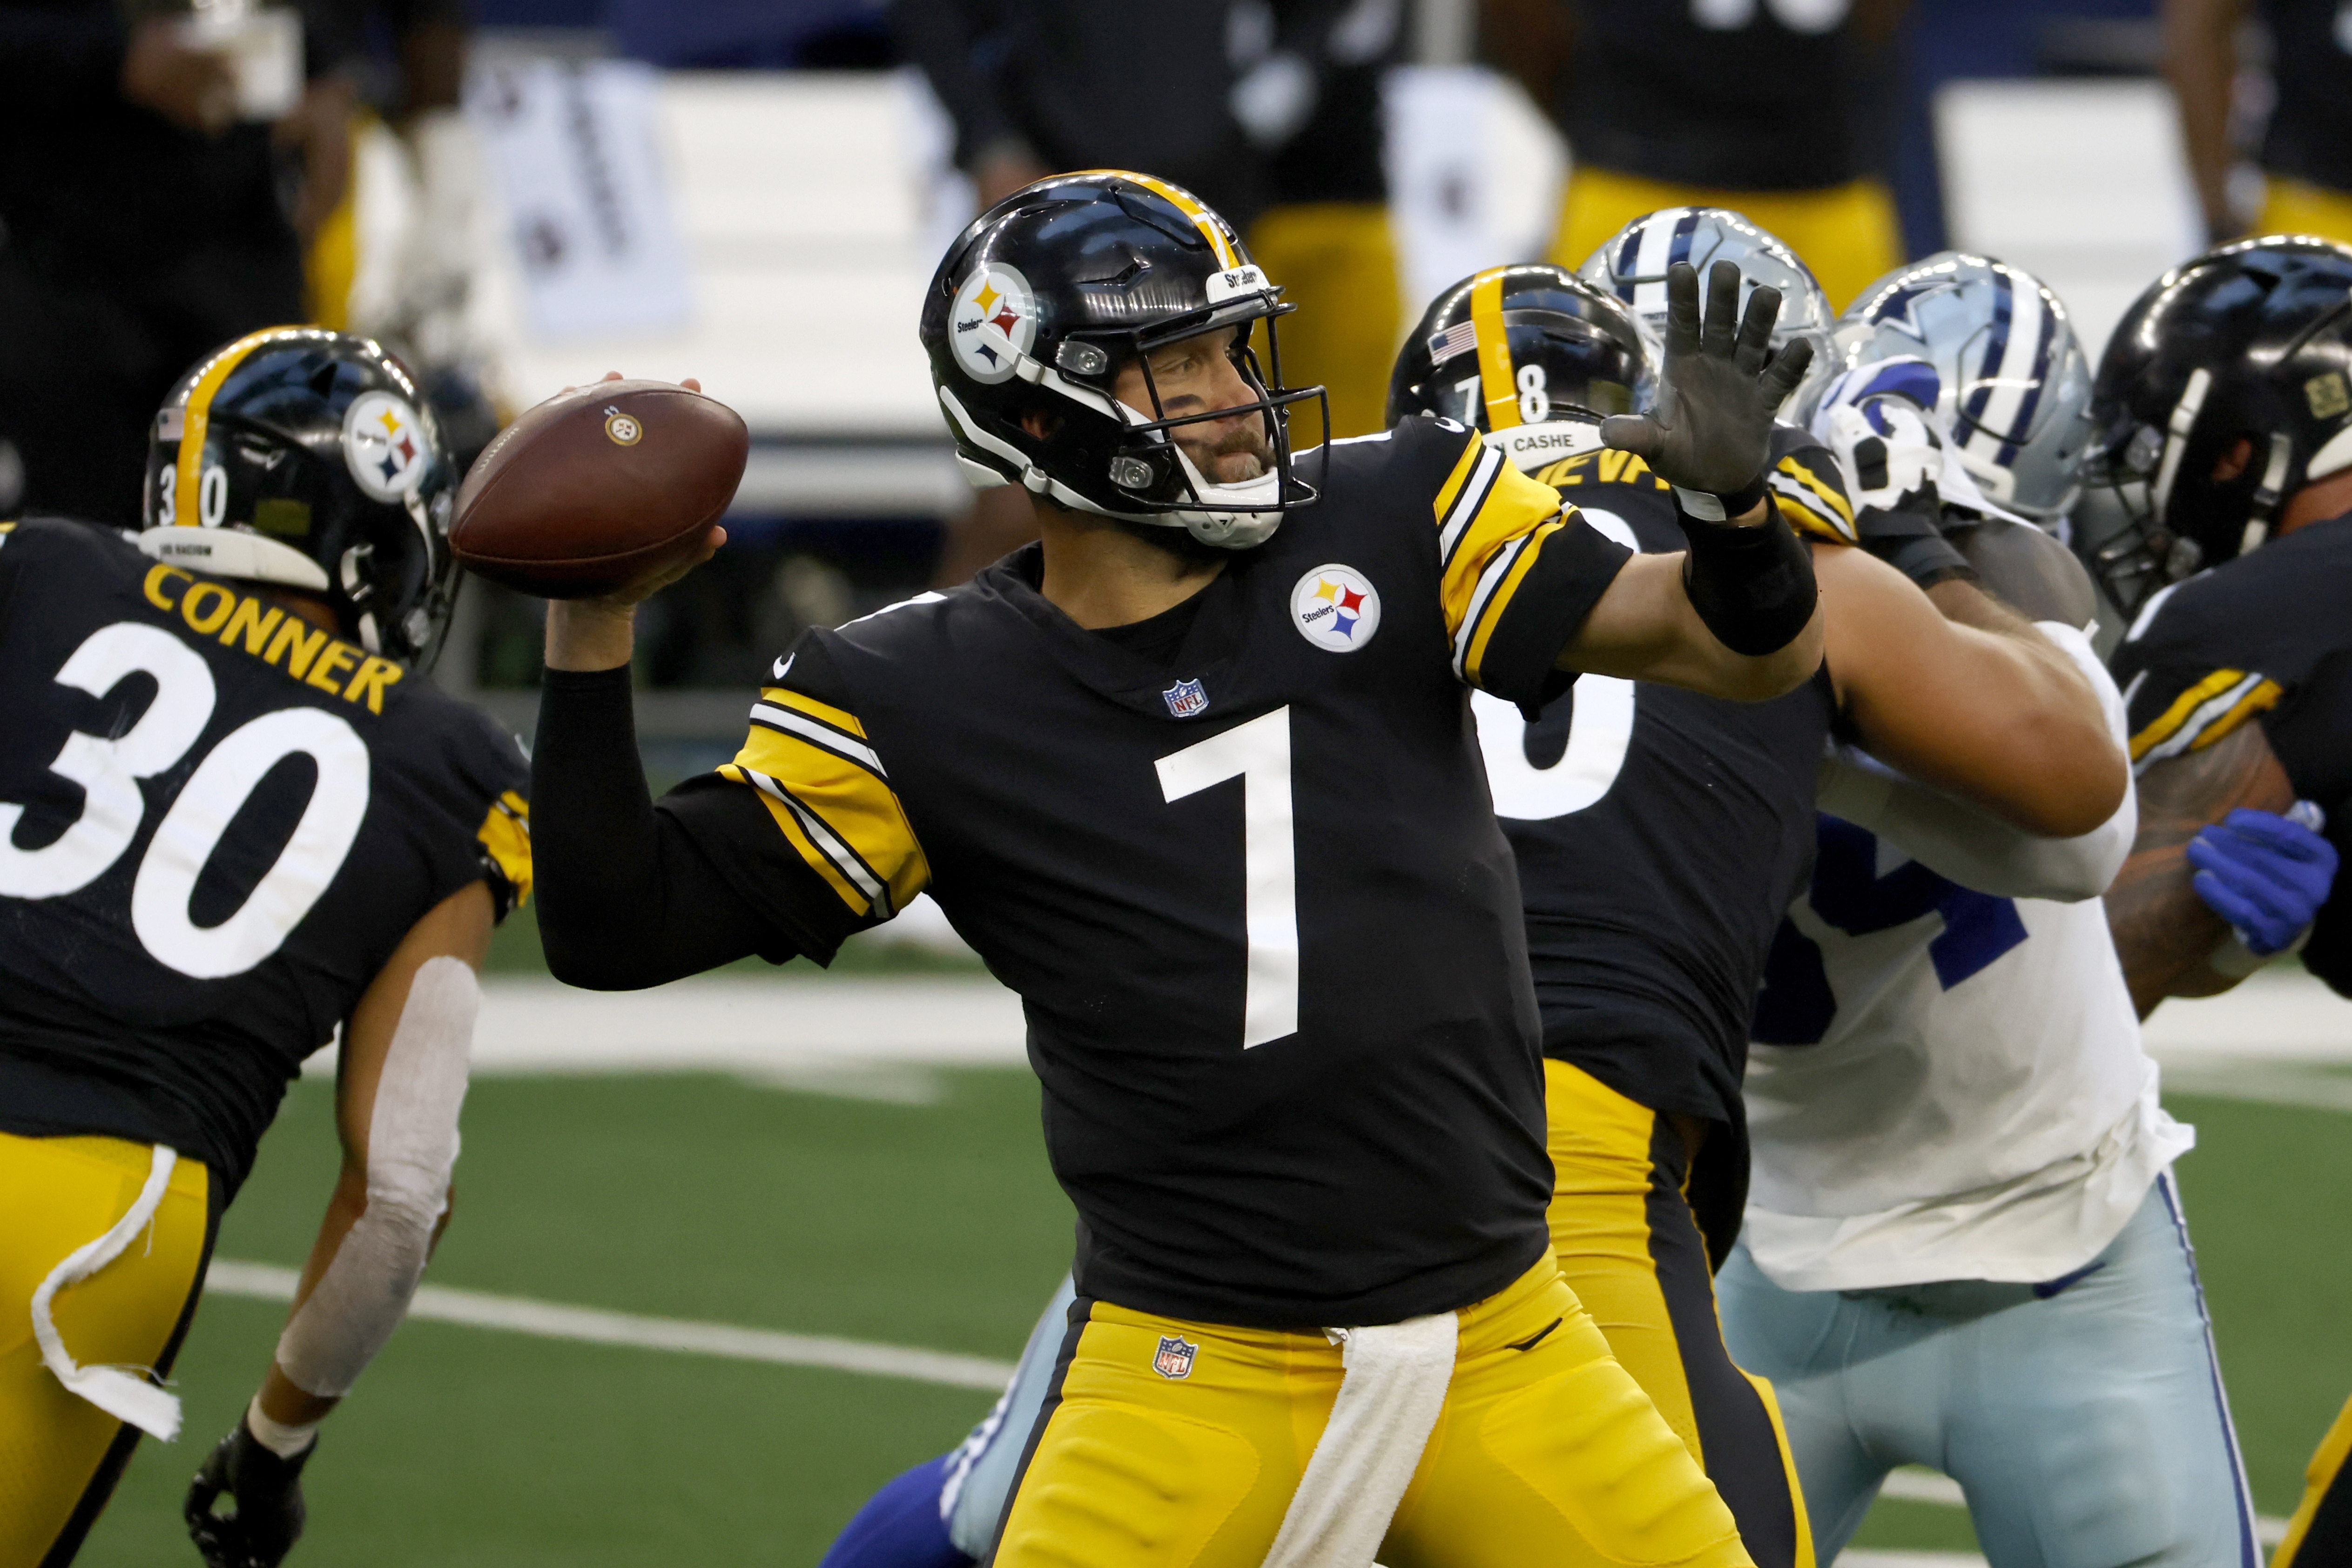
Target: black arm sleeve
{"x": 627, "y": 898}
{"x": 1752, "y": 586}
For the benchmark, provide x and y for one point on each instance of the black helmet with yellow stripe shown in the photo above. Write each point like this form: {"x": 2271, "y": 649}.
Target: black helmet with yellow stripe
{"x": 1534, "y": 357}
{"x": 309, "y": 459}
{"x": 1048, "y": 294}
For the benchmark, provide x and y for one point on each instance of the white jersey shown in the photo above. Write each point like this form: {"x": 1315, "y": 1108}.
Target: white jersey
{"x": 1947, "y": 1084}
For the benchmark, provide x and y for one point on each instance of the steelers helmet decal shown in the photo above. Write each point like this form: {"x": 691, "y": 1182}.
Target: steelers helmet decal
{"x": 994, "y": 322}
{"x": 383, "y": 443}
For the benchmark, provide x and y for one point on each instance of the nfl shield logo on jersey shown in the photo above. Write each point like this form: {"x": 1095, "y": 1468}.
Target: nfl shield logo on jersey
{"x": 1185, "y": 698}
{"x": 1175, "y": 1357}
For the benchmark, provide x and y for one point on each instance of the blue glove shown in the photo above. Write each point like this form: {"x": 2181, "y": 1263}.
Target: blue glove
{"x": 2264, "y": 873}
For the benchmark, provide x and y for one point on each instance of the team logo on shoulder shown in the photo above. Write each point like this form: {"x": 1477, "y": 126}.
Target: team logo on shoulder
{"x": 993, "y": 322}
{"x": 1335, "y": 608}
{"x": 383, "y": 444}
{"x": 1175, "y": 1357}
{"x": 1185, "y": 698}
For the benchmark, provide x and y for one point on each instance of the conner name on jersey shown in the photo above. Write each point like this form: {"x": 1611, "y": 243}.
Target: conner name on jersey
{"x": 312, "y": 656}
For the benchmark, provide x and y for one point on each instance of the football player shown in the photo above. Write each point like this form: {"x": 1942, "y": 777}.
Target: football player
{"x": 2223, "y": 424}
{"x": 237, "y": 818}
{"x": 1963, "y": 1248}
{"x": 1195, "y": 775}
{"x": 1659, "y": 835}
{"x": 2305, "y": 157}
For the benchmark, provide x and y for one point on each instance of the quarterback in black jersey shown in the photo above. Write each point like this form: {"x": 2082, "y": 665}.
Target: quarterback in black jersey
{"x": 236, "y": 818}
{"x": 1196, "y": 776}
{"x": 1661, "y": 834}
{"x": 2223, "y": 406}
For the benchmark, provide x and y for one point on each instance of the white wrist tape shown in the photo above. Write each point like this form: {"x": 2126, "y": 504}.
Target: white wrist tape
{"x": 411, "y": 1148}
{"x": 284, "y": 1438}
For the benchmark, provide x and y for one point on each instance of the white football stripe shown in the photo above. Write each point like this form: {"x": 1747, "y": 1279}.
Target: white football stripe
{"x": 818, "y": 733}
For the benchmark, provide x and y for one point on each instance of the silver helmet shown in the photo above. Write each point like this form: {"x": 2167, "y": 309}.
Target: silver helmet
{"x": 2015, "y": 384}
{"x": 1633, "y": 263}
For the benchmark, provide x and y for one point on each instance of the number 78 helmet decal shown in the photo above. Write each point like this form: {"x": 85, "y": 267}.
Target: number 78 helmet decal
{"x": 1532, "y": 357}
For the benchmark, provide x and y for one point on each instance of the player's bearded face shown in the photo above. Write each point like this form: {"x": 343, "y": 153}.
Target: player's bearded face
{"x": 1197, "y": 375}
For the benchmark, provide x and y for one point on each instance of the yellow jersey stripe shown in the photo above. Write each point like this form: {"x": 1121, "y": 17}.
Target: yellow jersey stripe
{"x": 1469, "y": 460}
{"x": 1454, "y": 523}
{"x": 784, "y": 697}
{"x": 1829, "y": 496}
{"x": 1513, "y": 569}
{"x": 802, "y": 726}
{"x": 788, "y": 823}
{"x": 851, "y": 827}
{"x": 1481, "y": 569}
{"x": 188, "y": 473}
{"x": 1211, "y": 228}
{"x": 1805, "y": 517}
{"x": 1495, "y": 368}
{"x": 2203, "y": 715}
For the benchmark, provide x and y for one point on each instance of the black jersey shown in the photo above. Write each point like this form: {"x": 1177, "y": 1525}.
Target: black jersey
{"x": 2310, "y": 132}
{"x": 1741, "y": 101}
{"x": 1256, "y": 904}
{"x": 216, "y": 823}
{"x": 1660, "y": 834}
{"x": 2264, "y": 639}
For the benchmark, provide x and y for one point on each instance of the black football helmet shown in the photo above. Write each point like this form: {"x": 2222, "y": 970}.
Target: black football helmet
{"x": 1048, "y": 294}
{"x": 310, "y": 458}
{"x": 1533, "y": 356}
{"x": 2252, "y": 342}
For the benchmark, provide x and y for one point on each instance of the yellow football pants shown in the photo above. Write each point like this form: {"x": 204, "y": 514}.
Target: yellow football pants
{"x": 1546, "y": 1452}
{"x": 60, "y": 1455}
{"x": 1847, "y": 234}
{"x": 1630, "y": 1249}
{"x": 2320, "y": 1533}
{"x": 1337, "y": 261}
{"x": 2299, "y": 207}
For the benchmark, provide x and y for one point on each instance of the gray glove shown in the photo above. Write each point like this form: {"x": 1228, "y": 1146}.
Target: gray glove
{"x": 1710, "y": 431}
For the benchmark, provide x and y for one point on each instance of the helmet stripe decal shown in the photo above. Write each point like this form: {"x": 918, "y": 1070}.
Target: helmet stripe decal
{"x": 1211, "y": 227}
{"x": 1979, "y": 410}
{"x": 187, "y": 473}
{"x": 2030, "y": 396}
{"x": 1629, "y": 255}
{"x": 1494, "y": 368}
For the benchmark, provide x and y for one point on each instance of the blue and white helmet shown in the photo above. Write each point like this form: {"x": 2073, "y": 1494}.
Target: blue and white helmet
{"x": 2015, "y": 384}
{"x": 1633, "y": 263}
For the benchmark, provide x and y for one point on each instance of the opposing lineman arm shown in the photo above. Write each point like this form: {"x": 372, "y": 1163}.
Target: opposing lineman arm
{"x": 1963, "y": 693}
{"x": 2165, "y": 934}
{"x": 1737, "y": 615}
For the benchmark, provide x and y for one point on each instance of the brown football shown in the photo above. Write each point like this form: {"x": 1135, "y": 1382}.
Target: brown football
{"x": 590, "y": 489}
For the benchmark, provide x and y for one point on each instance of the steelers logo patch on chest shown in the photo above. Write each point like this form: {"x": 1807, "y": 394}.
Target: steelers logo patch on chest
{"x": 1335, "y": 608}
{"x": 993, "y": 322}
{"x": 385, "y": 444}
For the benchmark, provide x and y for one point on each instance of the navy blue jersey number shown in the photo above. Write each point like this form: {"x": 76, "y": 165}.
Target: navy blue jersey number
{"x": 1797, "y": 1006}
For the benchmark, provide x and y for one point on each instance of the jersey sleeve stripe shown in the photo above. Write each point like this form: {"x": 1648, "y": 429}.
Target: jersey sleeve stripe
{"x": 1539, "y": 607}
{"x": 1805, "y": 513}
{"x": 2203, "y": 715}
{"x": 821, "y": 736}
{"x": 1503, "y": 574}
{"x": 788, "y": 823}
{"x": 830, "y": 855}
{"x": 1470, "y": 500}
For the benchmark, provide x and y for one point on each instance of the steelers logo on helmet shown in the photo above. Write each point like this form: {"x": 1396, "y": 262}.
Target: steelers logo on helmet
{"x": 993, "y": 322}
{"x": 1335, "y": 608}
{"x": 384, "y": 444}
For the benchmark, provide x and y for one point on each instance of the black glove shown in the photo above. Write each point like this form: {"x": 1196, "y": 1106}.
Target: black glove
{"x": 1710, "y": 431}
{"x": 269, "y": 1495}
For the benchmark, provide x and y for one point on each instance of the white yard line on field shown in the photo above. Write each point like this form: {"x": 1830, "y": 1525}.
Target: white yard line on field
{"x": 593, "y": 1325}
{"x": 1914, "y": 1483}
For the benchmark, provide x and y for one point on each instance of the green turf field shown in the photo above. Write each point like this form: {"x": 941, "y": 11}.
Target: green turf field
{"x": 929, "y": 1224}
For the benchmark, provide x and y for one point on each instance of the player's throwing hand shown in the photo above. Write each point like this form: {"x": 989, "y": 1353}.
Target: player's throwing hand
{"x": 1710, "y": 429}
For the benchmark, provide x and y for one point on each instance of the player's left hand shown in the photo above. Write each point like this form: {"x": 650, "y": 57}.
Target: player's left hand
{"x": 1711, "y": 427}
{"x": 267, "y": 1491}
{"x": 2266, "y": 874}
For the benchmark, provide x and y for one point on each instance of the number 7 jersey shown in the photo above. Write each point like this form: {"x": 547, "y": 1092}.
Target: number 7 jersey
{"x": 1252, "y": 895}
{"x": 216, "y": 823}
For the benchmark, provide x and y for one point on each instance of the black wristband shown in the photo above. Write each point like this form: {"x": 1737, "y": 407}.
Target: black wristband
{"x": 1716, "y": 507}
{"x": 1753, "y": 587}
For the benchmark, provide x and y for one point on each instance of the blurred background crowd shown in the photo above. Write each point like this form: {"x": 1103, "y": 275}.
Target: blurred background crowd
{"x": 516, "y": 195}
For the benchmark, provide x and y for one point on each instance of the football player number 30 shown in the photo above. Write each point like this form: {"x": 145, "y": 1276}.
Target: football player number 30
{"x": 1258, "y": 754}
{"x": 109, "y": 771}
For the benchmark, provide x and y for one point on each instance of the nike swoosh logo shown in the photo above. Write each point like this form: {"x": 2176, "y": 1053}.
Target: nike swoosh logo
{"x": 1537, "y": 1339}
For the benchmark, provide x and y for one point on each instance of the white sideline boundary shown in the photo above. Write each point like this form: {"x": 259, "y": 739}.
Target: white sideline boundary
{"x": 593, "y": 1325}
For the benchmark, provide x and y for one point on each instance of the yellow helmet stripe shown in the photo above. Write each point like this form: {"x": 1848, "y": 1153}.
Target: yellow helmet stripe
{"x": 1211, "y": 227}
{"x": 1495, "y": 373}
{"x": 188, "y": 475}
